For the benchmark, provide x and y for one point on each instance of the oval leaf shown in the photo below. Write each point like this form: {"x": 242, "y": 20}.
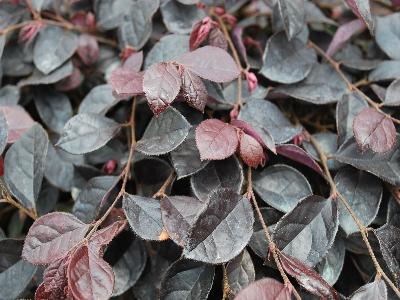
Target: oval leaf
{"x": 266, "y": 289}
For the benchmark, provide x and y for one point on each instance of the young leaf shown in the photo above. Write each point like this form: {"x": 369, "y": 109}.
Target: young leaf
{"x": 144, "y": 216}
{"x": 362, "y": 10}
{"x": 179, "y": 214}
{"x": 374, "y": 130}
{"x": 221, "y": 230}
{"x": 216, "y": 140}
{"x": 363, "y": 192}
{"x": 375, "y": 290}
{"x": 85, "y": 133}
{"x": 89, "y": 276}
{"x": 24, "y": 165}
{"x": 194, "y": 90}
{"x": 55, "y": 278}
{"x": 199, "y": 33}
{"x": 281, "y": 186}
{"x": 307, "y": 277}
{"x": 266, "y": 289}
{"x": 161, "y": 85}
{"x": 216, "y": 175}
{"x": 126, "y": 83}
{"x": 53, "y": 47}
{"x": 210, "y": 63}
{"x": 240, "y": 272}
{"x": 251, "y": 151}
{"x": 103, "y": 237}
{"x": 164, "y": 133}
{"x": 88, "y": 49}
{"x": 52, "y": 236}
{"x": 287, "y": 61}
{"x": 292, "y": 13}
{"x": 187, "y": 279}
{"x": 308, "y": 231}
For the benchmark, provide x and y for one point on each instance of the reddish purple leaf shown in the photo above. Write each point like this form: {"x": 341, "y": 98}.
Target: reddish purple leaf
{"x": 217, "y": 39}
{"x": 133, "y": 62}
{"x": 265, "y": 289}
{"x": 247, "y": 128}
{"x": 374, "y": 130}
{"x": 216, "y": 139}
{"x": 55, "y": 278}
{"x": 71, "y": 82}
{"x": 126, "y": 83}
{"x": 211, "y": 63}
{"x": 199, "y": 32}
{"x": 297, "y": 154}
{"x": 89, "y": 276}
{"x": 88, "y": 49}
{"x": 307, "y": 277}
{"x": 52, "y": 236}
{"x": 362, "y": 10}
{"x": 251, "y": 151}
{"x": 103, "y": 237}
{"x": 18, "y": 120}
{"x": 343, "y": 34}
{"x": 161, "y": 85}
{"x": 42, "y": 294}
{"x": 194, "y": 90}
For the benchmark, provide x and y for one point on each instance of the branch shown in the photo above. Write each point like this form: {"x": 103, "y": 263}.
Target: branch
{"x": 363, "y": 230}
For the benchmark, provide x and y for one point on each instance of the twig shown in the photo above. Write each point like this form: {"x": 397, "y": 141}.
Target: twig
{"x": 272, "y": 245}
{"x": 363, "y": 230}
{"x": 350, "y": 86}
{"x": 226, "y": 287}
{"x": 161, "y": 192}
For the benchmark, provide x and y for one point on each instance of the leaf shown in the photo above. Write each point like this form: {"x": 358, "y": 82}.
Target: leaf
{"x": 308, "y": 231}
{"x": 281, "y": 186}
{"x": 210, "y": 63}
{"x": 216, "y": 38}
{"x": 38, "y": 77}
{"x": 222, "y": 229}
{"x": 52, "y": 236}
{"x": 54, "y": 108}
{"x": 216, "y": 140}
{"x": 346, "y": 110}
{"x": 385, "y": 166}
{"x": 297, "y": 154}
{"x": 187, "y": 279}
{"x": 24, "y": 166}
{"x": 362, "y": 10}
{"x": 387, "y": 34}
{"x": 86, "y": 132}
{"x": 99, "y": 100}
{"x": 168, "y": 48}
{"x": 240, "y": 272}
{"x": 307, "y": 277}
{"x": 126, "y": 83}
{"x": 180, "y": 18}
{"x": 194, "y": 90}
{"x": 386, "y": 70}
{"x": 144, "y": 216}
{"x": 88, "y": 49}
{"x": 217, "y": 175}
{"x": 322, "y": 86}
{"x": 164, "y": 133}
{"x": 179, "y": 215}
{"x": 53, "y": 47}
{"x": 287, "y": 61}
{"x": 9, "y": 95}
{"x": 251, "y": 151}
{"x": 371, "y": 291}
{"x": 266, "y": 118}
{"x": 374, "y": 130}
{"x": 393, "y": 94}
{"x": 388, "y": 237}
{"x": 161, "y": 85}
{"x": 186, "y": 157}
{"x": 363, "y": 192}
{"x": 55, "y": 279}
{"x": 103, "y": 237}
{"x": 266, "y": 289}
{"x": 343, "y": 34}
{"x": 331, "y": 266}
{"x": 18, "y": 121}
{"x": 3, "y": 132}
{"x": 89, "y": 276}
{"x": 292, "y": 14}
{"x": 90, "y": 198}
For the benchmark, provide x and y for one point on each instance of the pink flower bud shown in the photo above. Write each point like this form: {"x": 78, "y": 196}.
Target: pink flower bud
{"x": 251, "y": 81}
{"x": 219, "y": 11}
{"x": 234, "y": 112}
{"x": 29, "y": 31}
{"x": 110, "y": 166}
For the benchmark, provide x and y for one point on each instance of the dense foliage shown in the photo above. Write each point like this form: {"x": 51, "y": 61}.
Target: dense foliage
{"x": 186, "y": 149}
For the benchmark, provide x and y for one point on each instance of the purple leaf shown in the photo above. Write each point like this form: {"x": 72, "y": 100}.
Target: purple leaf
{"x": 362, "y": 10}
{"x": 266, "y": 289}
{"x": 251, "y": 151}
{"x": 374, "y": 130}
{"x": 210, "y": 63}
{"x": 88, "y": 49}
{"x": 126, "y": 83}
{"x": 297, "y": 154}
{"x": 194, "y": 90}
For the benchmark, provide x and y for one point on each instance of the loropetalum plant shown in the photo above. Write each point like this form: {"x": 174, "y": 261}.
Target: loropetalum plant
{"x": 185, "y": 149}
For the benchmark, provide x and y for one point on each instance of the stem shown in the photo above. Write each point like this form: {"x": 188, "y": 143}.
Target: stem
{"x": 272, "y": 245}
{"x": 161, "y": 192}
{"x": 350, "y": 86}
{"x": 363, "y": 230}
{"x": 226, "y": 287}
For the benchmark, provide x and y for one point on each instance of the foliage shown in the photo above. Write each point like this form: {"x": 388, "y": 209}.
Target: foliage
{"x": 199, "y": 149}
